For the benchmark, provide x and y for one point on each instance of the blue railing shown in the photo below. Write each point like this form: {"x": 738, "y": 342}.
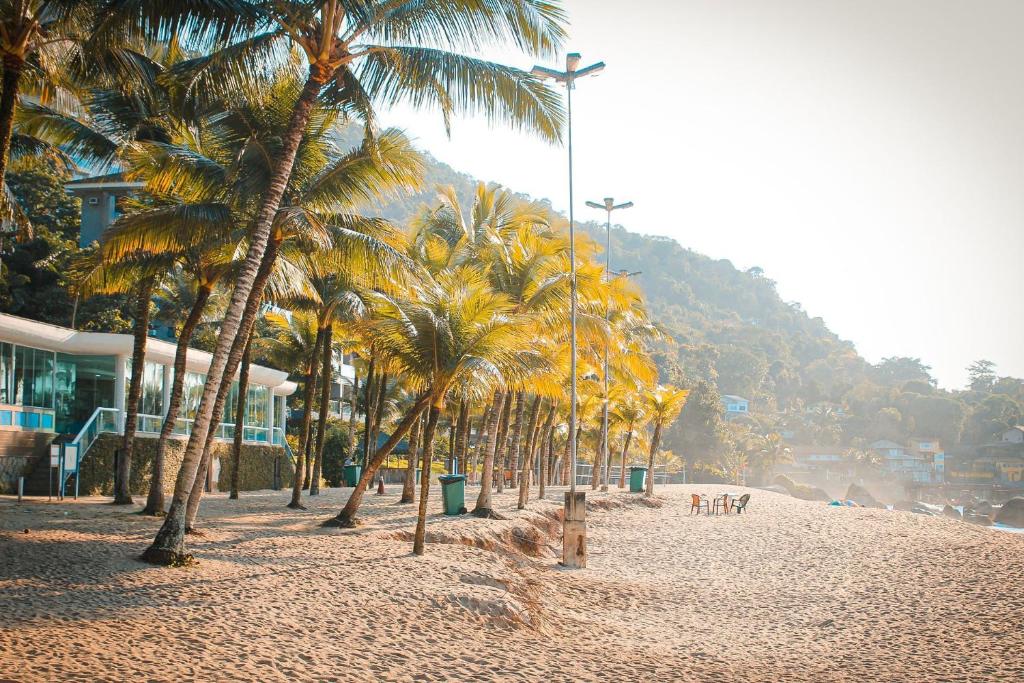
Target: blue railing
{"x": 108, "y": 420}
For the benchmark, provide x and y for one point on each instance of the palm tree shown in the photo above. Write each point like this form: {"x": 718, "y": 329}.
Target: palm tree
{"x": 39, "y": 41}
{"x": 770, "y": 450}
{"x": 664, "y": 404}
{"x": 456, "y": 333}
{"x": 629, "y": 414}
{"x": 348, "y": 68}
{"x": 137, "y": 274}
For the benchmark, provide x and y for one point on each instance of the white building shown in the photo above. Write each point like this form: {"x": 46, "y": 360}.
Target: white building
{"x": 58, "y": 381}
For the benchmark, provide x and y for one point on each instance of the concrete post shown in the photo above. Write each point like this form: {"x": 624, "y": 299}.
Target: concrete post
{"x": 120, "y": 364}
{"x": 168, "y": 380}
{"x": 270, "y": 415}
{"x": 574, "y": 531}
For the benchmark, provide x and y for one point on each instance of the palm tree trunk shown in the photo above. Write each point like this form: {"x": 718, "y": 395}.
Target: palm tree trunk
{"x": 248, "y": 323}
{"x": 481, "y": 438}
{"x": 596, "y": 472}
{"x": 546, "y": 435}
{"x": 14, "y": 66}
{"x": 428, "y": 453}
{"x": 566, "y": 457}
{"x": 369, "y": 401}
{"x": 622, "y": 459}
{"x": 307, "y": 421}
{"x": 409, "y": 485}
{"x": 326, "y": 377}
{"x": 655, "y": 444}
{"x": 462, "y": 436}
{"x": 501, "y": 444}
{"x": 140, "y": 333}
{"x": 483, "y": 501}
{"x": 378, "y": 410}
{"x": 168, "y": 546}
{"x": 354, "y": 404}
{"x": 155, "y": 499}
{"x": 515, "y": 451}
{"x": 236, "y": 440}
{"x": 527, "y": 467}
{"x": 347, "y": 516}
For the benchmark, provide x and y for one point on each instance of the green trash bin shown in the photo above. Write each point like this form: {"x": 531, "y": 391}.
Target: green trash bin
{"x": 453, "y": 492}
{"x": 352, "y": 474}
{"x": 637, "y": 479}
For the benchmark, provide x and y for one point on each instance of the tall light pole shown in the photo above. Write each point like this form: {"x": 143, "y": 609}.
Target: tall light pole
{"x": 574, "y": 536}
{"x": 609, "y": 205}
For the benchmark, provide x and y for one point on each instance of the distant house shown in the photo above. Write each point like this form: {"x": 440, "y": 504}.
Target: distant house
{"x": 735, "y": 406}
{"x": 828, "y": 459}
{"x": 100, "y": 196}
{"x": 921, "y": 461}
{"x": 1014, "y": 435}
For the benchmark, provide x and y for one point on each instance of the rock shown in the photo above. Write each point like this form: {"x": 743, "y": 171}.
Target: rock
{"x": 775, "y": 488}
{"x": 950, "y": 511}
{"x": 861, "y": 496}
{"x": 974, "y": 518}
{"x": 904, "y": 505}
{"x": 801, "y": 491}
{"x": 984, "y": 508}
{"x": 1012, "y": 513}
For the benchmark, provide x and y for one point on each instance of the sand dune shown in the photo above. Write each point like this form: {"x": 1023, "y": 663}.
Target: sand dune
{"x": 791, "y": 591}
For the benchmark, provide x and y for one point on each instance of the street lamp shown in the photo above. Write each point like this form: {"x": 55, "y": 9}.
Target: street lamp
{"x": 608, "y": 206}
{"x": 574, "y": 530}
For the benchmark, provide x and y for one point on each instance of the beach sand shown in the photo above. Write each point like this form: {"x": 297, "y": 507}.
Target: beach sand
{"x": 791, "y": 590}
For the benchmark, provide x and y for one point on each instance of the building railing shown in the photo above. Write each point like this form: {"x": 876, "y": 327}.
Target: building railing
{"x": 107, "y": 420}
{"x": 152, "y": 424}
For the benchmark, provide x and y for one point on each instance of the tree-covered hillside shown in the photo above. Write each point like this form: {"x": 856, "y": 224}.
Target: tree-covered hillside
{"x": 729, "y": 332}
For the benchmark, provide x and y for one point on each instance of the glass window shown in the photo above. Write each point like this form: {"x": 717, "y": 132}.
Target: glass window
{"x": 6, "y": 373}
{"x": 32, "y": 377}
{"x": 152, "y": 390}
{"x": 83, "y": 384}
{"x": 256, "y": 405}
{"x": 192, "y": 392}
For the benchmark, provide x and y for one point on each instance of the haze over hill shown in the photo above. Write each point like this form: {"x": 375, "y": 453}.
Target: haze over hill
{"x": 732, "y": 329}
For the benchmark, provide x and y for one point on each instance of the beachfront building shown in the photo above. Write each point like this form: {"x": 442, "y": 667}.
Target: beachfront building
{"x": 735, "y": 406}
{"x": 101, "y": 196}
{"x": 825, "y": 462}
{"x": 68, "y": 386}
{"x": 921, "y": 461}
{"x": 1014, "y": 434}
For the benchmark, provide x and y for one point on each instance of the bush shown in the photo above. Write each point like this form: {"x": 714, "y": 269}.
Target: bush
{"x": 336, "y": 451}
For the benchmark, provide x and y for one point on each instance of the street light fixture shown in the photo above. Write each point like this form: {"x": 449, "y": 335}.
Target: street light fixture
{"x": 608, "y": 206}
{"x": 574, "y": 530}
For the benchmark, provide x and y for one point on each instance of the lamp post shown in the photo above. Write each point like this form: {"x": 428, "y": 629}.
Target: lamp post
{"x": 608, "y": 206}
{"x": 574, "y": 536}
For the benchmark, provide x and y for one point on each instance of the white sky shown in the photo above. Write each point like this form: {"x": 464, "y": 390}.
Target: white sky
{"x": 868, "y": 154}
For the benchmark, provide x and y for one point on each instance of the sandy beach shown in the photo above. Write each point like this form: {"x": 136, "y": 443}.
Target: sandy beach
{"x": 792, "y": 590}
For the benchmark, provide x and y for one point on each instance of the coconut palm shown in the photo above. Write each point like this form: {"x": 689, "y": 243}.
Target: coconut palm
{"x": 629, "y": 414}
{"x": 358, "y": 53}
{"x": 456, "y": 333}
{"x": 231, "y": 165}
{"x": 664, "y": 403}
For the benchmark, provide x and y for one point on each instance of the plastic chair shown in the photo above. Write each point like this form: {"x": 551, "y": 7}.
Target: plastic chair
{"x": 697, "y": 502}
{"x": 740, "y": 504}
{"x": 722, "y": 502}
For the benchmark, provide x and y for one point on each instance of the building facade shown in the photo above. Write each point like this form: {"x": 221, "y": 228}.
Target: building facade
{"x": 60, "y": 382}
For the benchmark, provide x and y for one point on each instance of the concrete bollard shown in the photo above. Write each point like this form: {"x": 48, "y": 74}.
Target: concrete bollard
{"x": 21, "y": 488}
{"x": 574, "y": 531}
